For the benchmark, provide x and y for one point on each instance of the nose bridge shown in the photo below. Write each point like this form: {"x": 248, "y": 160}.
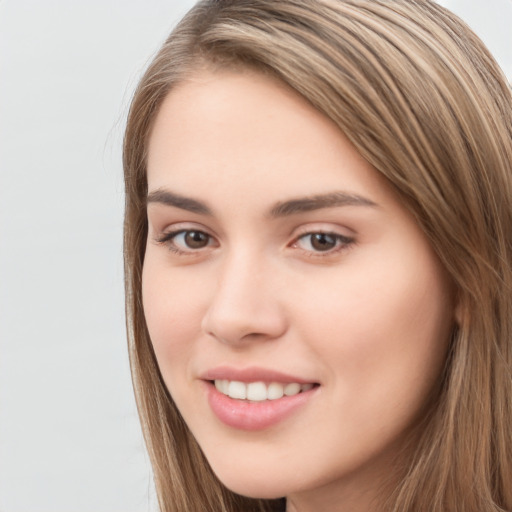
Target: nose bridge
{"x": 239, "y": 273}
{"x": 244, "y": 303}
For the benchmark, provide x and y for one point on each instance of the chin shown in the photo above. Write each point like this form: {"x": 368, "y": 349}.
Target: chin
{"x": 254, "y": 486}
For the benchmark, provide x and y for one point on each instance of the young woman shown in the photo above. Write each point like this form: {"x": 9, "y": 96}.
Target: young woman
{"x": 318, "y": 260}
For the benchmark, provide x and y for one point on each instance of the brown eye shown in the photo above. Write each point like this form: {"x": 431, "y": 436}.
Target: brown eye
{"x": 323, "y": 241}
{"x": 196, "y": 239}
{"x": 186, "y": 241}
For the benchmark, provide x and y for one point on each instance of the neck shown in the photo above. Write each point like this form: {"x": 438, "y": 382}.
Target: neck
{"x": 365, "y": 490}
{"x": 333, "y": 502}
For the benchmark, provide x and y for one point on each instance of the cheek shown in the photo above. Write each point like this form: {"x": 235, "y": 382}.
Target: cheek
{"x": 384, "y": 332}
{"x": 172, "y": 312}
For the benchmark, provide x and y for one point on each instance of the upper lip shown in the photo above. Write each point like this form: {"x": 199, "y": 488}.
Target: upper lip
{"x": 252, "y": 374}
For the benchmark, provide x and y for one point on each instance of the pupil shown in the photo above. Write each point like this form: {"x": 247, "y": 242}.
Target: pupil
{"x": 196, "y": 239}
{"x": 323, "y": 242}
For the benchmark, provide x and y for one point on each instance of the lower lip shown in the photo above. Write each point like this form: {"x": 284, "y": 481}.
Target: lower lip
{"x": 245, "y": 415}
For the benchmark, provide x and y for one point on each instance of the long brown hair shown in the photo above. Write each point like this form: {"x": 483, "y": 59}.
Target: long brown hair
{"x": 424, "y": 102}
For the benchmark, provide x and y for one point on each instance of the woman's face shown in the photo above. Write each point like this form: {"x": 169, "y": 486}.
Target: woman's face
{"x": 299, "y": 316}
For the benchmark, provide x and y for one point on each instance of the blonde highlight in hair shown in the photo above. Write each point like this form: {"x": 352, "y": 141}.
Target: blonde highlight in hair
{"x": 421, "y": 98}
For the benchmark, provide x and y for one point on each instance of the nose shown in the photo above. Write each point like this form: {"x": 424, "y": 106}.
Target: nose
{"x": 244, "y": 305}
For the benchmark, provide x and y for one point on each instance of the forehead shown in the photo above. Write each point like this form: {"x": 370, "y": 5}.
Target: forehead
{"x": 221, "y": 128}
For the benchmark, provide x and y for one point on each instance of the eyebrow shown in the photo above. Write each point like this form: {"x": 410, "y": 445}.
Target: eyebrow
{"x": 318, "y": 202}
{"x": 281, "y": 209}
{"x": 184, "y": 203}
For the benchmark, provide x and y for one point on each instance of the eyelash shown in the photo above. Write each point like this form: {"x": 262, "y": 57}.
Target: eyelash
{"x": 342, "y": 242}
{"x": 168, "y": 240}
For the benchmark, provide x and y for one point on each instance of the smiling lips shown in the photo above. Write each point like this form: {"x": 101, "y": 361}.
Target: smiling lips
{"x": 255, "y": 399}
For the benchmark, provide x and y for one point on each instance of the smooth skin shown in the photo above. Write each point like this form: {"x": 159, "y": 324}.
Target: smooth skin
{"x": 345, "y": 293}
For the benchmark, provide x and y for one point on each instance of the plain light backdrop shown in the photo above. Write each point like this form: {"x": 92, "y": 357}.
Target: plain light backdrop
{"x": 69, "y": 434}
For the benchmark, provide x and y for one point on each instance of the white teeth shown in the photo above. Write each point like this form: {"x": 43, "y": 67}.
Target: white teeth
{"x": 256, "y": 391}
{"x": 222, "y": 386}
{"x": 259, "y": 391}
{"x": 237, "y": 390}
{"x": 275, "y": 391}
{"x": 291, "y": 389}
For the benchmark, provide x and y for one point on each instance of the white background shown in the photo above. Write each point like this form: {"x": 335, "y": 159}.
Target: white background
{"x": 69, "y": 434}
